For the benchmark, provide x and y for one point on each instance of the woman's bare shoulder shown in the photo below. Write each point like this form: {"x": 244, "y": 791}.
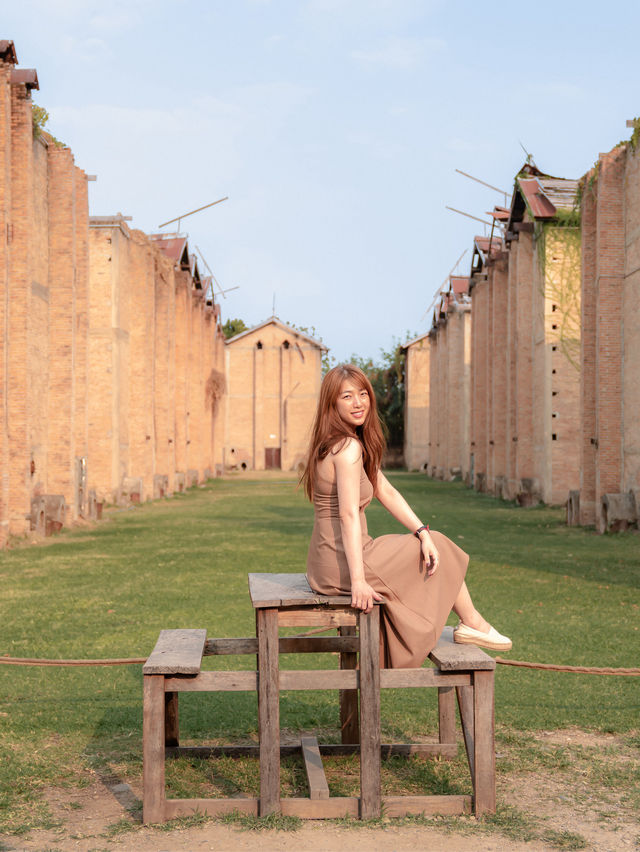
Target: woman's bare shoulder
{"x": 348, "y": 450}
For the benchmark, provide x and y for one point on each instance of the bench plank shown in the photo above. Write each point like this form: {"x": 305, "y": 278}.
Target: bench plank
{"x": 176, "y": 652}
{"x": 275, "y": 590}
{"x": 449, "y": 656}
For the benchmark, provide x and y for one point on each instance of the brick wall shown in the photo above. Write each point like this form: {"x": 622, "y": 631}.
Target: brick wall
{"x": 631, "y": 326}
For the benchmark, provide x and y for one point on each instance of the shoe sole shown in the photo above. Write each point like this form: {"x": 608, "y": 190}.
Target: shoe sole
{"x": 493, "y": 646}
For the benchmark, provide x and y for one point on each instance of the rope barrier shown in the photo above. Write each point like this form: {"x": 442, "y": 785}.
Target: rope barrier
{"x": 25, "y": 661}
{"x": 599, "y": 670}
{"x": 136, "y": 661}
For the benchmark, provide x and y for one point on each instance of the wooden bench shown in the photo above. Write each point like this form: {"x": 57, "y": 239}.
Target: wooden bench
{"x": 285, "y": 600}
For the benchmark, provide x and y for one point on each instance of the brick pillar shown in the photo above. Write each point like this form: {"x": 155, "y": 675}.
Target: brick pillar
{"x": 17, "y": 345}
{"x": 511, "y": 362}
{"x": 5, "y": 248}
{"x": 183, "y": 403}
{"x": 631, "y": 324}
{"x": 82, "y": 328}
{"x": 141, "y": 445}
{"x": 589, "y": 219}
{"x": 434, "y": 397}
{"x": 479, "y": 366}
{"x": 498, "y": 396}
{"x": 610, "y": 282}
{"x": 62, "y": 283}
{"x": 524, "y": 360}
{"x": 164, "y": 451}
{"x": 199, "y": 366}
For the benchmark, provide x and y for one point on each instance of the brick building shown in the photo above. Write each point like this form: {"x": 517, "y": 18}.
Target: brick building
{"x": 111, "y": 350}
{"x": 609, "y": 493}
{"x": 156, "y": 355}
{"x": 450, "y": 383}
{"x": 43, "y": 314}
{"x": 273, "y": 383}
{"x": 525, "y": 346}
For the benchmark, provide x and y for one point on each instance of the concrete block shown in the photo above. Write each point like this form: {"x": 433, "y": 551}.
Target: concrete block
{"x": 573, "y": 509}
{"x": 617, "y": 512}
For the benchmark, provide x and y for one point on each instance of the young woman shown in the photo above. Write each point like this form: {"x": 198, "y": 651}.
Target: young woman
{"x": 419, "y": 577}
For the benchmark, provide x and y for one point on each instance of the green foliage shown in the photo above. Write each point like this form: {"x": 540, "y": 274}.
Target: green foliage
{"x": 40, "y": 118}
{"x": 387, "y": 376}
{"x": 233, "y": 327}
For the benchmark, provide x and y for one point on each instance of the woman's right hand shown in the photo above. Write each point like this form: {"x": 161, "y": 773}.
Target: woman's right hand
{"x": 363, "y": 596}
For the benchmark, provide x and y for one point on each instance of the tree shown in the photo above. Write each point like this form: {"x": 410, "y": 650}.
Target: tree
{"x": 233, "y": 327}
{"x": 387, "y": 379}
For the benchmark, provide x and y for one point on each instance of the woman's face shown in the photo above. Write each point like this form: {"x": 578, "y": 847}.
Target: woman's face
{"x": 353, "y": 403}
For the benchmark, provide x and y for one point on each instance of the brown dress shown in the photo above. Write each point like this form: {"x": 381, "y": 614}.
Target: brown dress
{"x": 416, "y": 607}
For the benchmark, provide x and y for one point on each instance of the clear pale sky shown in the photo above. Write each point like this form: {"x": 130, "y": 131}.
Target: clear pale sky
{"x": 334, "y": 126}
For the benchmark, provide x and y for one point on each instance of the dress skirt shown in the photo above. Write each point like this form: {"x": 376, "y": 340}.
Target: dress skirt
{"x": 416, "y": 606}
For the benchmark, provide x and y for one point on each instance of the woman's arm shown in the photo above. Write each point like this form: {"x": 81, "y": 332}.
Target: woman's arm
{"x": 395, "y": 503}
{"x": 348, "y": 464}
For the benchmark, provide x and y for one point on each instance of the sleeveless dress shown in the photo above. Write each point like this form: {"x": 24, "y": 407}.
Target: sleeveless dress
{"x": 416, "y": 607}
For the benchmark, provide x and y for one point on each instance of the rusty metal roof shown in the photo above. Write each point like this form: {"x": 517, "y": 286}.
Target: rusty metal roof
{"x": 459, "y": 284}
{"x": 174, "y": 247}
{"x": 28, "y": 76}
{"x": 543, "y": 196}
{"x": 8, "y": 51}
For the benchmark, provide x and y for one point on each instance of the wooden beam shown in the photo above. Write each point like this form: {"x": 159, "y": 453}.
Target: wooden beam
{"x": 317, "y": 780}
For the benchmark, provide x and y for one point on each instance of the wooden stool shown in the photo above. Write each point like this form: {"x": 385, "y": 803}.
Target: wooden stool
{"x": 287, "y": 600}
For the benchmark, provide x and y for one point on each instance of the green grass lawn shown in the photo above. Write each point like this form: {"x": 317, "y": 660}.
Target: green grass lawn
{"x": 563, "y": 595}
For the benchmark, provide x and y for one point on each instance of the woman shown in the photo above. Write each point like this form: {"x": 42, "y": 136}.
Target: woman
{"x": 419, "y": 577}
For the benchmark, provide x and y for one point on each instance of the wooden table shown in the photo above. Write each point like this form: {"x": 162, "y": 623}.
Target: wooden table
{"x": 286, "y": 600}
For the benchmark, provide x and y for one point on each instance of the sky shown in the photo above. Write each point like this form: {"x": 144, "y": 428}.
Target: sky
{"x": 334, "y": 127}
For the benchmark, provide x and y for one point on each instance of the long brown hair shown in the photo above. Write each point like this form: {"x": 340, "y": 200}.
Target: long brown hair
{"x": 329, "y": 429}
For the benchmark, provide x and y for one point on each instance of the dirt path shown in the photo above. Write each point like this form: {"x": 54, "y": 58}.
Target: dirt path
{"x": 539, "y": 810}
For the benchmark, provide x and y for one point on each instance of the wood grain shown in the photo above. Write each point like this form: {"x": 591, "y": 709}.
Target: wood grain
{"x": 176, "y": 652}
{"x": 316, "y": 779}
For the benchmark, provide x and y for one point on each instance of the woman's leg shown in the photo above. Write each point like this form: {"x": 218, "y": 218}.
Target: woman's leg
{"x": 467, "y": 613}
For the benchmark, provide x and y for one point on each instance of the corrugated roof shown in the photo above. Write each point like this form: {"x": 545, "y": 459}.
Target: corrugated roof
{"x": 8, "y": 51}
{"x": 174, "y": 247}
{"x": 459, "y": 284}
{"x": 28, "y": 76}
{"x": 543, "y": 196}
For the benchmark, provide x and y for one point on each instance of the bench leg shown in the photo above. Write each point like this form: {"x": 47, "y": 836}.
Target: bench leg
{"x": 171, "y": 720}
{"x": 268, "y": 710}
{"x": 465, "y": 705}
{"x": 153, "y": 796}
{"x": 349, "y": 724}
{"x": 446, "y": 714}
{"x": 484, "y": 785}
{"x": 370, "y": 788}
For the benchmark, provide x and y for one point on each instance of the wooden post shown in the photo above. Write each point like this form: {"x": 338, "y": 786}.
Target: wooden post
{"x": 370, "y": 787}
{"x": 446, "y": 714}
{"x": 349, "y": 723}
{"x": 467, "y": 721}
{"x": 268, "y": 710}
{"x": 153, "y": 748}
{"x": 484, "y": 786}
{"x": 171, "y": 719}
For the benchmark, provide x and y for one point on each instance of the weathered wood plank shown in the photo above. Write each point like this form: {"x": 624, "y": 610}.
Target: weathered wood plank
{"x": 447, "y": 714}
{"x": 318, "y": 679}
{"x": 212, "y": 807}
{"x": 273, "y": 590}
{"x": 410, "y": 678}
{"x": 444, "y": 750}
{"x": 485, "y": 754}
{"x": 171, "y": 719}
{"x": 268, "y": 710}
{"x": 451, "y": 657}
{"x": 153, "y": 749}
{"x": 348, "y": 698}
{"x": 287, "y": 644}
{"x": 332, "y": 808}
{"x": 465, "y": 705}
{"x": 316, "y": 779}
{"x": 214, "y": 682}
{"x": 316, "y": 617}
{"x": 370, "y": 787}
{"x": 176, "y": 652}
{"x": 429, "y": 805}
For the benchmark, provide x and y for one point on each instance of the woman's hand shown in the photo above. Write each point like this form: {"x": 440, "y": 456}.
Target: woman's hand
{"x": 363, "y": 596}
{"x": 429, "y": 552}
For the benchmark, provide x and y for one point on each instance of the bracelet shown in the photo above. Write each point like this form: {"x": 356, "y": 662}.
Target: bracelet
{"x": 419, "y": 530}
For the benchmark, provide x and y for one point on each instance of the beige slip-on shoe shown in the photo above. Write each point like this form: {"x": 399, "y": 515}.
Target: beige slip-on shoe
{"x": 464, "y": 635}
